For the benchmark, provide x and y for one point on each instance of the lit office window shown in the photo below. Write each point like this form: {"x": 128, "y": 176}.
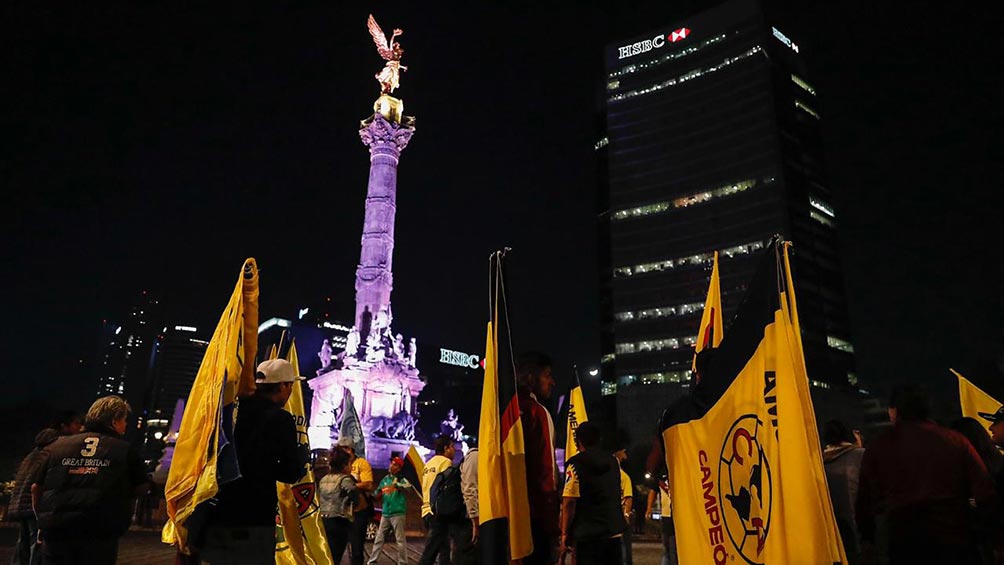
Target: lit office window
{"x": 852, "y": 379}
{"x": 698, "y": 259}
{"x": 801, "y": 106}
{"x": 837, "y": 343}
{"x": 662, "y": 312}
{"x": 686, "y": 76}
{"x": 655, "y": 344}
{"x": 819, "y": 384}
{"x": 607, "y": 388}
{"x": 691, "y": 199}
{"x": 601, "y": 143}
{"x": 820, "y": 218}
{"x": 805, "y": 86}
{"x": 822, "y": 206}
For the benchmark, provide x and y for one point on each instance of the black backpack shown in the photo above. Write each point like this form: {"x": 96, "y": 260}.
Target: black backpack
{"x": 445, "y": 495}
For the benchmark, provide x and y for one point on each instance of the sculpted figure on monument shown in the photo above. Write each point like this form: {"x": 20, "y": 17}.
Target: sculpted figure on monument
{"x": 325, "y": 356}
{"x": 351, "y": 344}
{"x": 451, "y": 427}
{"x": 390, "y": 51}
{"x": 399, "y": 348}
{"x": 412, "y": 352}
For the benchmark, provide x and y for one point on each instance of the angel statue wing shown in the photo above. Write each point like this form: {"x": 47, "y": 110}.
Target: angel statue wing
{"x": 384, "y": 45}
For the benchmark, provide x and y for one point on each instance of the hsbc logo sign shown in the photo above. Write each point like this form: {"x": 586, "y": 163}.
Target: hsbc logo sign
{"x": 656, "y": 42}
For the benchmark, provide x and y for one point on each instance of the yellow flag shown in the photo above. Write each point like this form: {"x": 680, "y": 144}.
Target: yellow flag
{"x": 300, "y": 537}
{"x": 576, "y": 415}
{"x": 711, "y": 330}
{"x": 746, "y": 474}
{"x": 975, "y": 402}
{"x": 227, "y": 370}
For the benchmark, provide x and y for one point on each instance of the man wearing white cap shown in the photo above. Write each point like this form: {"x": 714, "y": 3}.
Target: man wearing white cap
{"x": 242, "y": 528}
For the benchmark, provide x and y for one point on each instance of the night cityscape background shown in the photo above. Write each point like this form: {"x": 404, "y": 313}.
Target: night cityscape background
{"x": 153, "y": 148}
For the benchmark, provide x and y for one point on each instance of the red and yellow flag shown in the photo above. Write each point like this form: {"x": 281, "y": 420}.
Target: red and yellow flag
{"x": 503, "y": 507}
{"x": 711, "y": 330}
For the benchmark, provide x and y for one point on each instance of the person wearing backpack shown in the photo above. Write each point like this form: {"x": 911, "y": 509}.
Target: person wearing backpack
{"x": 337, "y": 494}
{"x": 442, "y": 503}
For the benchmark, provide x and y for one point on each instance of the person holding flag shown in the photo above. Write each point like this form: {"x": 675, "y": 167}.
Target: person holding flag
{"x": 242, "y": 529}
{"x": 535, "y": 384}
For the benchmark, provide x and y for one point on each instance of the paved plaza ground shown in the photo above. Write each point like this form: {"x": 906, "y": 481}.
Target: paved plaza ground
{"x": 143, "y": 547}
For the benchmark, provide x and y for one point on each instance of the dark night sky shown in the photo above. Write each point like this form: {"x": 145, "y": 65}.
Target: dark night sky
{"x": 156, "y": 146}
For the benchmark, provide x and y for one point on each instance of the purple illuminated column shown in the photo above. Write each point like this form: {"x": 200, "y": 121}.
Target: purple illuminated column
{"x": 374, "y": 276}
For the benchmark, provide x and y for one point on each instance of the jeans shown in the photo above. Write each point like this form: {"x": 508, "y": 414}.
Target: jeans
{"x": 441, "y": 532}
{"x": 360, "y": 523}
{"x": 71, "y": 548}
{"x": 388, "y": 523}
{"x": 337, "y": 530}
{"x": 238, "y": 544}
{"x": 606, "y": 551}
{"x": 27, "y": 551}
{"x": 669, "y": 556}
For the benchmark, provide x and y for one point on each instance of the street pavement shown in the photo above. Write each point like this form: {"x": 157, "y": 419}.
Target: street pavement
{"x": 143, "y": 547}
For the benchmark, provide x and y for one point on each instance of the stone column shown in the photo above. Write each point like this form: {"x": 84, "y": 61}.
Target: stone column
{"x": 374, "y": 277}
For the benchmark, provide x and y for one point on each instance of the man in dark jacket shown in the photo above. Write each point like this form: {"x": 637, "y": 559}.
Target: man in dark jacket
{"x": 923, "y": 477}
{"x": 535, "y": 384}
{"x": 591, "y": 519}
{"x": 84, "y": 491}
{"x": 242, "y": 527}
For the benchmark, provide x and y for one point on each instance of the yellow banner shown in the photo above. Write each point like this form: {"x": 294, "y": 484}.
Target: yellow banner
{"x": 974, "y": 401}
{"x": 300, "y": 537}
{"x": 227, "y": 370}
{"x": 747, "y": 476}
{"x": 576, "y": 415}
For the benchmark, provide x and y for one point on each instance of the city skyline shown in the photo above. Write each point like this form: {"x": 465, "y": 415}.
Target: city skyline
{"x": 160, "y": 148}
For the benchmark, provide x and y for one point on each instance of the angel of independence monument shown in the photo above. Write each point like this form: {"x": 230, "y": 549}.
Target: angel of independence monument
{"x": 378, "y": 367}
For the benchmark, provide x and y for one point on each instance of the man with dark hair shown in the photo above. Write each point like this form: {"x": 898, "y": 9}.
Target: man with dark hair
{"x": 591, "y": 519}
{"x": 535, "y": 384}
{"x": 923, "y": 477}
{"x": 20, "y": 511}
{"x": 83, "y": 493}
{"x": 441, "y": 529}
{"x": 242, "y": 529}
{"x": 842, "y": 465}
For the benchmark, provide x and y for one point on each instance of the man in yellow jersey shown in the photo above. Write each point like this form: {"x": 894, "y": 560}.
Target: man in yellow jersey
{"x": 441, "y": 528}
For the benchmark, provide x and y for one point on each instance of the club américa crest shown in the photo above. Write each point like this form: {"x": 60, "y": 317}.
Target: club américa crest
{"x": 744, "y": 488}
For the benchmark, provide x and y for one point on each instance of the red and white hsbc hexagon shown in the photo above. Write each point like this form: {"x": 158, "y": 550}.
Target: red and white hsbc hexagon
{"x": 679, "y": 35}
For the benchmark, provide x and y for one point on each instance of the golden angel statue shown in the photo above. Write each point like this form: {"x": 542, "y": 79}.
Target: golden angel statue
{"x": 391, "y": 51}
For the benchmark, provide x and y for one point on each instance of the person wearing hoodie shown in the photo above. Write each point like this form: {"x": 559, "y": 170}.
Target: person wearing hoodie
{"x": 83, "y": 493}
{"x": 592, "y": 522}
{"x": 842, "y": 464}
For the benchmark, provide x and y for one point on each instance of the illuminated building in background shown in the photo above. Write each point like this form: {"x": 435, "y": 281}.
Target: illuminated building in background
{"x": 124, "y": 353}
{"x": 177, "y": 355}
{"x": 712, "y": 142}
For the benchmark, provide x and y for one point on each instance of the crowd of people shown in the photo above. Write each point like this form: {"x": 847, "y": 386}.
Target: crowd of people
{"x": 916, "y": 493}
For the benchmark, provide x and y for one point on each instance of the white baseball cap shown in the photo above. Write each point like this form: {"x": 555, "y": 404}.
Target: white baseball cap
{"x": 276, "y": 371}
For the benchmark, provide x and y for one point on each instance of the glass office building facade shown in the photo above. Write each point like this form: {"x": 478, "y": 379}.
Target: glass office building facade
{"x": 712, "y": 142}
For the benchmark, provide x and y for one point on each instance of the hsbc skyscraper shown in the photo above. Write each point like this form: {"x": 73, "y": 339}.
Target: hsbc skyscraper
{"x": 712, "y": 142}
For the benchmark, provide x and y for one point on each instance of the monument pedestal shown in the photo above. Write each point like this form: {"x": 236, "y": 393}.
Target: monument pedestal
{"x": 385, "y": 395}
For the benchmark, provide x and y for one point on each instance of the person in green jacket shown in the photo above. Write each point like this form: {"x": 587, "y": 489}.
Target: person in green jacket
{"x": 392, "y": 489}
